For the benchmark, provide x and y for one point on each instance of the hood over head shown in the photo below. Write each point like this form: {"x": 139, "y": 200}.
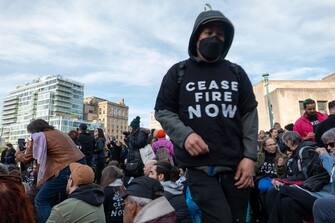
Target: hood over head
{"x": 89, "y": 193}
{"x": 172, "y": 187}
{"x": 204, "y": 18}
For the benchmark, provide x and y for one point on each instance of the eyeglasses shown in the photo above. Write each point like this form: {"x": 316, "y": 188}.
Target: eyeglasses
{"x": 331, "y": 144}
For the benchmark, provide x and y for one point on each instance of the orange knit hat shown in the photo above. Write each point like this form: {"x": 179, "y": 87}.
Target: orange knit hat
{"x": 160, "y": 134}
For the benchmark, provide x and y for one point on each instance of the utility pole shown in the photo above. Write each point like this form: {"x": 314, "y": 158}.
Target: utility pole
{"x": 266, "y": 84}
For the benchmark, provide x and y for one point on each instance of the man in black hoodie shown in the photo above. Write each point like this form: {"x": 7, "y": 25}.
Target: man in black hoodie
{"x": 207, "y": 106}
{"x": 85, "y": 202}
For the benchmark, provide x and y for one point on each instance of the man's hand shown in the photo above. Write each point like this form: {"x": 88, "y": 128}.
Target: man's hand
{"x": 195, "y": 145}
{"x": 244, "y": 174}
{"x": 321, "y": 150}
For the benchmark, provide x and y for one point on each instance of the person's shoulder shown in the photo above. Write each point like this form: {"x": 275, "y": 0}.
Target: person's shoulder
{"x": 66, "y": 204}
{"x": 322, "y": 116}
{"x": 173, "y": 70}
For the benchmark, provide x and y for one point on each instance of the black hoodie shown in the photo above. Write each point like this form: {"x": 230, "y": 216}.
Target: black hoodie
{"x": 89, "y": 193}
{"x": 211, "y": 99}
{"x": 204, "y": 18}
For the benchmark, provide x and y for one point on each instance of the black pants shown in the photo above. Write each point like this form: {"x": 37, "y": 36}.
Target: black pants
{"x": 290, "y": 204}
{"x": 100, "y": 165}
{"x": 217, "y": 197}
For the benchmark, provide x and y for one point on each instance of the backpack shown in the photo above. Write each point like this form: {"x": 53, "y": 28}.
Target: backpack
{"x": 309, "y": 162}
{"x": 162, "y": 154}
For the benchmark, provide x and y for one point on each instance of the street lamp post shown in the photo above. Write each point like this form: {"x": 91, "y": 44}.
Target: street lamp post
{"x": 266, "y": 84}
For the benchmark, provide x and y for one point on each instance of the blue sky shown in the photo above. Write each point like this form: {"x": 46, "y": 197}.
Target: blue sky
{"x": 122, "y": 49}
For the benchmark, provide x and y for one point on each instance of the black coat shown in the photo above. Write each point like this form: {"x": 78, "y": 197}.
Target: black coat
{"x": 86, "y": 142}
{"x": 324, "y": 126}
{"x": 178, "y": 202}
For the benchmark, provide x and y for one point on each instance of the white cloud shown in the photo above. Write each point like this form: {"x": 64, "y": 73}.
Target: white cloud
{"x": 133, "y": 43}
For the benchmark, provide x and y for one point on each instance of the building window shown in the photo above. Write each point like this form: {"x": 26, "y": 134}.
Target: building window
{"x": 322, "y": 106}
{"x": 301, "y": 107}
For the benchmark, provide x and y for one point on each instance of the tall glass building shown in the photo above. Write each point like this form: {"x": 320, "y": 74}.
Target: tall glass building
{"x": 53, "y": 98}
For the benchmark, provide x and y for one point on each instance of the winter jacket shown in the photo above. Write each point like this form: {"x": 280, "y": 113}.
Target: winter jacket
{"x": 136, "y": 140}
{"x": 99, "y": 149}
{"x": 174, "y": 193}
{"x": 85, "y": 205}
{"x": 10, "y": 156}
{"x": 157, "y": 211}
{"x": 321, "y": 128}
{"x": 303, "y": 126}
{"x": 86, "y": 143}
{"x": 3, "y": 155}
{"x": 61, "y": 152}
{"x": 197, "y": 103}
{"x": 272, "y": 168}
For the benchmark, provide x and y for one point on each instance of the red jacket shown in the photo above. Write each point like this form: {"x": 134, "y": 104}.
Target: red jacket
{"x": 303, "y": 126}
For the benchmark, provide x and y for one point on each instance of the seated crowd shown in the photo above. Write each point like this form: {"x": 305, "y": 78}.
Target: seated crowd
{"x": 88, "y": 177}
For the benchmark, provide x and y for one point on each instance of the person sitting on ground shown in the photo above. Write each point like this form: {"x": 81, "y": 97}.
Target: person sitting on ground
{"x": 111, "y": 181}
{"x": 147, "y": 167}
{"x": 85, "y": 202}
{"x": 144, "y": 202}
{"x": 296, "y": 202}
{"x": 168, "y": 175}
{"x": 324, "y": 208}
{"x": 268, "y": 166}
{"x": 15, "y": 205}
{"x": 274, "y": 134}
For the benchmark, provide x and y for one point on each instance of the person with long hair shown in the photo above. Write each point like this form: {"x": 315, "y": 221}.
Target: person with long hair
{"x": 54, "y": 151}
{"x": 15, "y": 205}
{"x": 112, "y": 183}
{"x": 99, "y": 153}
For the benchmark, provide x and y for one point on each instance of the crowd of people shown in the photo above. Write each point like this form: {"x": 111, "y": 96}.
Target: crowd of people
{"x": 85, "y": 177}
{"x": 210, "y": 163}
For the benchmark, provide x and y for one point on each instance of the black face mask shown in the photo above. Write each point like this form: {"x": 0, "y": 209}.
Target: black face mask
{"x": 211, "y": 48}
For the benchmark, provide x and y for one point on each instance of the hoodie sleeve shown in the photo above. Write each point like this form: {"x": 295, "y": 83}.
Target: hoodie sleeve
{"x": 166, "y": 108}
{"x": 250, "y": 130}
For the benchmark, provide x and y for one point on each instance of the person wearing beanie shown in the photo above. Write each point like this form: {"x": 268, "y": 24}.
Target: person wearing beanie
{"x": 85, "y": 202}
{"x": 163, "y": 144}
{"x": 135, "y": 124}
{"x": 136, "y": 140}
{"x": 207, "y": 106}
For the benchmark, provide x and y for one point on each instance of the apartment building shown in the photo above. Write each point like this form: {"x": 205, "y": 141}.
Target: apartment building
{"x": 113, "y": 116}
{"x": 52, "y": 98}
